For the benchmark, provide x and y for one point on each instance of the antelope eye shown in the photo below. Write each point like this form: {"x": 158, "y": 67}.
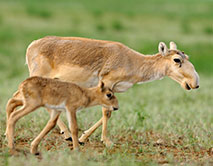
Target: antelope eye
{"x": 109, "y": 95}
{"x": 177, "y": 60}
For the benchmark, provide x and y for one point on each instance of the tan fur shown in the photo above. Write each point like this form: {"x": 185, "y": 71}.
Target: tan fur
{"x": 38, "y": 92}
{"x": 86, "y": 61}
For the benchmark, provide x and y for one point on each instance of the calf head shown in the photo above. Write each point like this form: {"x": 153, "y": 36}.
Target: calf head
{"x": 106, "y": 97}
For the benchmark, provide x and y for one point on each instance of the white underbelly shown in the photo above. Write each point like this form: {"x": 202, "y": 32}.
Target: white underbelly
{"x": 122, "y": 86}
{"x": 59, "y": 107}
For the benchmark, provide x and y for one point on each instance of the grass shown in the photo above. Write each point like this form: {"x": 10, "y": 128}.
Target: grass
{"x": 158, "y": 123}
{"x": 158, "y": 126}
{"x": 35, "y": 11}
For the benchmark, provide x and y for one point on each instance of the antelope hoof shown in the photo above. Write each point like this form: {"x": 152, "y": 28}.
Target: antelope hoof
{"x": 34, "y": 152}
{"x": 81, "y": 143}
{"x": 5, "y": 134}
{"x": 83, "y": 138}
{"x": 69, "y": 139}
{"x": 107, "y": 142}
{"x": 34, "y": 149}
{"x": 37, "y": 154}
{"x": 67, "y": 135}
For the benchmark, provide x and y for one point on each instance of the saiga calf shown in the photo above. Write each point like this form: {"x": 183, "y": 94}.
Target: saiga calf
{"x": 37, "y": 92}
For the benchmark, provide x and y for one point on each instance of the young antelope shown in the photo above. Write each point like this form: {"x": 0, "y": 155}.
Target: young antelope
{"x": 60, "y": 96}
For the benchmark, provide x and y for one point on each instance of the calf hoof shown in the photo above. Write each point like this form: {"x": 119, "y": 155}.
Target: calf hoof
{"x": 83, "y": 138}
{"x": 107, "y": 143}
{"x": 69, "y": 139}
{"x": 37, "y": 154}
{"x": 81, "y": 143}
{"x": 66, "y": 135}
{"x": 34, "y": 150}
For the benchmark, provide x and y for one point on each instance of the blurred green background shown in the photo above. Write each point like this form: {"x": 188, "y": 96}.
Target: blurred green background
{"x": 139, "y": 24}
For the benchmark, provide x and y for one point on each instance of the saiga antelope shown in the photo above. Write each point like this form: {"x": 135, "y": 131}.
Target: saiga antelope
{"x": 37, "y": 92}
{"x": 86, "y": 61}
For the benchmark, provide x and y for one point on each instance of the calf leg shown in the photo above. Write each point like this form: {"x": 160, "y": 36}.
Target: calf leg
{"x": 14, "y": 117}
{"x": 44, "y": 69}
{"x": 63, "y": 128}
{"x": 49, "y": 126}
{"x": 11, "y": 105}
{"x": 71, "y": 116}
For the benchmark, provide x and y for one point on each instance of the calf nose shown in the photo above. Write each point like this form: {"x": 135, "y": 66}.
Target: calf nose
{"x": 197, "y": 87}
{"x": 115, "y": 108}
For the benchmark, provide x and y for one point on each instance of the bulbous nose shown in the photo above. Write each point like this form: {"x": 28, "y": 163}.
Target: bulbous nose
{"x": 115, "y": 108}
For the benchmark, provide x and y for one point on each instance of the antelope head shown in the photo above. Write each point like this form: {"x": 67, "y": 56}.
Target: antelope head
{"x": 179, "y": 68}
{"x": 106, "y": 97}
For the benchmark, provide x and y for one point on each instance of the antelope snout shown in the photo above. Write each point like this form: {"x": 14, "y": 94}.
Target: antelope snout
{"x": 197, "y": 81}
{"x": 195, "y": 87}
{"x": 194, "y": 83}
{"x": 115, "y": 108}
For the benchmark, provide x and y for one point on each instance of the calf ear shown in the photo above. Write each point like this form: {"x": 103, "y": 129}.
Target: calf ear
{"x": 101, "y": 85}
{"x": 162, "y": 48}
{"x": 172, "y": 45}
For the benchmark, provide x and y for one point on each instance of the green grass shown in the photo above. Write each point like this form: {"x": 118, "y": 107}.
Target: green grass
{"x": 155, "y": 111}
{"x": 162, "y": 108}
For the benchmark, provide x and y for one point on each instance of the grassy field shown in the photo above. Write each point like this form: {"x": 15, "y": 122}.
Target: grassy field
{"x": 158, "y": 122}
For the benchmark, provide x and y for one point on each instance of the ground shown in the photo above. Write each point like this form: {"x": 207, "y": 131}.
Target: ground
{"x": 145, "y": 146}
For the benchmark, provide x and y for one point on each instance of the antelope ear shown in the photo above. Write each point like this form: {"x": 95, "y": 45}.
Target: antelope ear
{"x": 101, "y": 85}
{"x": 162, "y": 48}
{"x": 172, "y": 45}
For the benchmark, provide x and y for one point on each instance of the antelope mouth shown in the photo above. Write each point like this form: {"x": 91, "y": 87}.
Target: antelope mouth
{"x": 187, "y": 87}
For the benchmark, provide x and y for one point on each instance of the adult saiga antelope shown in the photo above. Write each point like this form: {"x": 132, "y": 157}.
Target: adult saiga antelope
{"x": 37, "y": 92}
{"x": 86, "y": 61}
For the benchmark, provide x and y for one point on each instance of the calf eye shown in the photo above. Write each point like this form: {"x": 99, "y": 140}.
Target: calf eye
{"x": 177, "y": 60}
{"x": 109, "y": 95}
